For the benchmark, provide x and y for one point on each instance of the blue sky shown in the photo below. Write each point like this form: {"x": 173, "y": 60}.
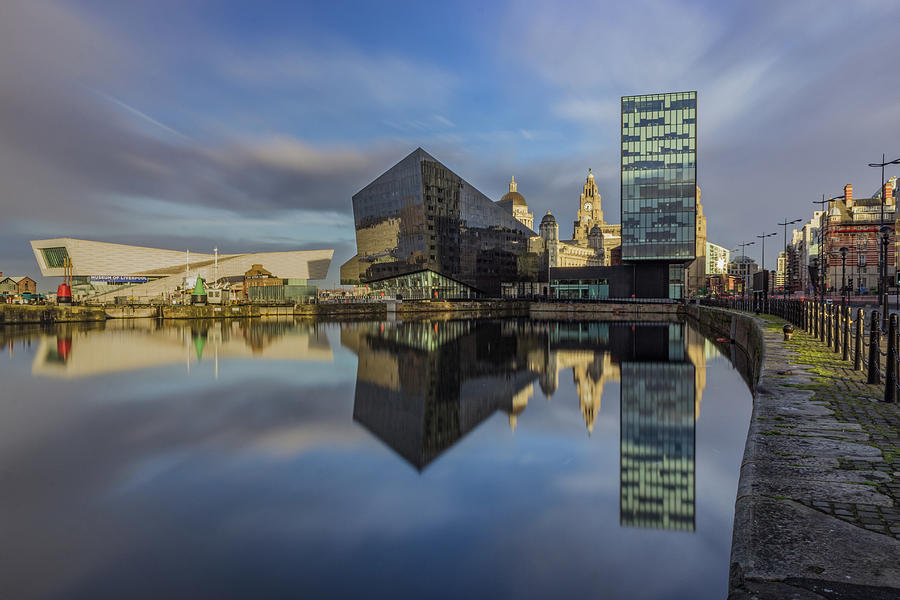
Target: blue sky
{"x": 248, "y": 126}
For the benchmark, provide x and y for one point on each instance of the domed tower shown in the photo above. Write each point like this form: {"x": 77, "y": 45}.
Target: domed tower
{"x": 514, "y": 202}
{"x": 550, "y": 235}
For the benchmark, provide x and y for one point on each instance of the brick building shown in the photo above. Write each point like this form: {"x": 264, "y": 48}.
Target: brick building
{"x": 854, "y": 223}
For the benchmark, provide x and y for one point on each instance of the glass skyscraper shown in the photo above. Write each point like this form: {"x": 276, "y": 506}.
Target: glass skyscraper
{"x": 659, "y": 177}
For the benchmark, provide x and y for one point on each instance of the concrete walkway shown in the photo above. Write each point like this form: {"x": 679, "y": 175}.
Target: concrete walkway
{"x": 818, "y": 506}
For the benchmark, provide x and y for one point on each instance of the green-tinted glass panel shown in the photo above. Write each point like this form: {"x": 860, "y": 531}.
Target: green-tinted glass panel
{"x": 55, "y": 257}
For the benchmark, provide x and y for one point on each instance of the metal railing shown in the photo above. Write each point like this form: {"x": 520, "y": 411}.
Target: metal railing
{"x": 860, "y": 341}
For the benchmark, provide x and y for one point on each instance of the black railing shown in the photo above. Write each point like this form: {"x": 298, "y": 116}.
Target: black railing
{"x": 868, "y": 348}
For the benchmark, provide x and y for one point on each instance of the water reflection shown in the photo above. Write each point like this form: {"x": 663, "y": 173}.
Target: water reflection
{"x": 128, "y": 345}
{"x": 435, "y": 457}
{"x": 421, "y": 386}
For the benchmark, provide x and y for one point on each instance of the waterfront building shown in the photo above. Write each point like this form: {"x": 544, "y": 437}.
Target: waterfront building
{"x": 696, "y": 272}
{"x": 720, "y": 284}
{"x": 592, "y": 238}
{"x": 780, "y": 277}
{"x": 17, "y": 285}
{"x": 659, "y": 188}
{"x": 854, "y": 223}
{"x": 102, "y": 271}
{"x": 717, "y": 259}
{"x": 514, "y": 203}
{"x": 803, "y": 246}
{"x": 742, "y": 269}
{"x": 422, "y": 231}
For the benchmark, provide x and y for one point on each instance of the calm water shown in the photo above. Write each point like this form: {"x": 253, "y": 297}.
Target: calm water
{"x": 448, "y": 459}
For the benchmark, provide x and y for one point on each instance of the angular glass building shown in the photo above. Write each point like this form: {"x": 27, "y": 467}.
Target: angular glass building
{"x": 422, "y": 231}
{"x": 659, "y": 181}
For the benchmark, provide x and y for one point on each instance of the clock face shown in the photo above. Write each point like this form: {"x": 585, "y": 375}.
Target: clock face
{"x": 588, "y": 206}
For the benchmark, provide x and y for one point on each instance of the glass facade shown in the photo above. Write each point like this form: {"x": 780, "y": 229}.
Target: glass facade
{"x": 592, "y": 289}
{"x": 659, "y": 176}
{"x": 55, "y": 257}
{"x": 422, "y": 285}
{"x": 421, "y": 215}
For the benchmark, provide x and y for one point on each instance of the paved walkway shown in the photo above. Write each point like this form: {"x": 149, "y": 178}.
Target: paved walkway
{"x": 818, "y": 508}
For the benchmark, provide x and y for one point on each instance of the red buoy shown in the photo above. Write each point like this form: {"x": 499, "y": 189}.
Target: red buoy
{"x": 64, "y": 294}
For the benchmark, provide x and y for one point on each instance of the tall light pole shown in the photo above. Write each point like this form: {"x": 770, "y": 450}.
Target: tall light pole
{"x": 762, "y": 266}
{"x": 843, "y": 252}
{"x": 744, "y": 273}
{"x": 882, "y": 259}
{"x": 786, "y": 223}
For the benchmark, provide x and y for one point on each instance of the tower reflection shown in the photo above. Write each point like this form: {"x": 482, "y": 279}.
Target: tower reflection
{"x": 659, "y": 403}
{"x": 423, "y": 385}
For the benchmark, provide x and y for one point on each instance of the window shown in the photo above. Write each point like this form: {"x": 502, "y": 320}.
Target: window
{"x": 55, "y": 257}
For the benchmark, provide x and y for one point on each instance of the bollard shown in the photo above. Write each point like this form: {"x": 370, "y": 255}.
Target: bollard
{"x": 845, "y": 355}
{"x": 874, "y": 349}
{"x": 822, "y": 314}
{"x": 829, "y": 312}
{"x": 836, "y": 328}
{"x": 890, "y": 365}
{"x": 815, "y": 319}
{"x": 857, "y": 341}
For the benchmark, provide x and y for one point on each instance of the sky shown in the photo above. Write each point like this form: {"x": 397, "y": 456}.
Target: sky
{"x": 248, "y": 126}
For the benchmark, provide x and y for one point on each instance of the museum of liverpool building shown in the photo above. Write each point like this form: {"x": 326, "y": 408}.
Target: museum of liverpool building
{"x": 102, "y": 271}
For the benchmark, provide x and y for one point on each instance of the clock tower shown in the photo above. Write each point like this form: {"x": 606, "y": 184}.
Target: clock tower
{"x": 589, "y": 211}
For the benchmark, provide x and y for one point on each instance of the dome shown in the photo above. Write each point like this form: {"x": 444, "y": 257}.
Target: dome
{"x": 548, "y": 219}
{"x": 514, "y": 198}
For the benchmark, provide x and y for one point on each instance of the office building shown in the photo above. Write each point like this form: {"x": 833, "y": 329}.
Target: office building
{"x": 659, "y": 189}
{"x": 424, "y": 232}
{"x": 717, "y": 259}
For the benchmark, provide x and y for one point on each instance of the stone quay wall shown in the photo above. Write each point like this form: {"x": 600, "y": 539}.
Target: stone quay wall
{"x": 13, "y": 314}
{"x": 817, "y": 511}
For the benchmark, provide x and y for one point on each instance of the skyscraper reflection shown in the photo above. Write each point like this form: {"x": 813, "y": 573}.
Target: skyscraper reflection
{"x": 421, "y": 386}
{"x": 658, "y": 409}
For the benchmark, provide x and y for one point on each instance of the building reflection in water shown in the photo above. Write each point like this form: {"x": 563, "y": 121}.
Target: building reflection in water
{"x": 74, "y": 351}
{"x": 421, "y": 386}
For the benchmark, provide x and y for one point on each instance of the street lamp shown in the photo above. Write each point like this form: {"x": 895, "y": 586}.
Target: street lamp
{"x": 843, "y": 252}
{"x": 885, "y": 236}
{"x": 815, "y": 267}
{"x": 823, "y": 222}
{"x": 762, "y": 266}
{"x": 786, "y": 223}
{"x": 743, "y": 245}
{"x": 882, "y": 259}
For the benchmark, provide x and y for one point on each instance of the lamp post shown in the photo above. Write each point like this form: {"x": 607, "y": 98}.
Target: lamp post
{"x": 882, "y": 287}
{"x": 762, "y": 265}
{"x": 785, "y": 223}
{"x": 823, "y": 237}
{"x": 882, "y": 258}
{"x": 744, "y": 270}
{"x": 843, "y": 252}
